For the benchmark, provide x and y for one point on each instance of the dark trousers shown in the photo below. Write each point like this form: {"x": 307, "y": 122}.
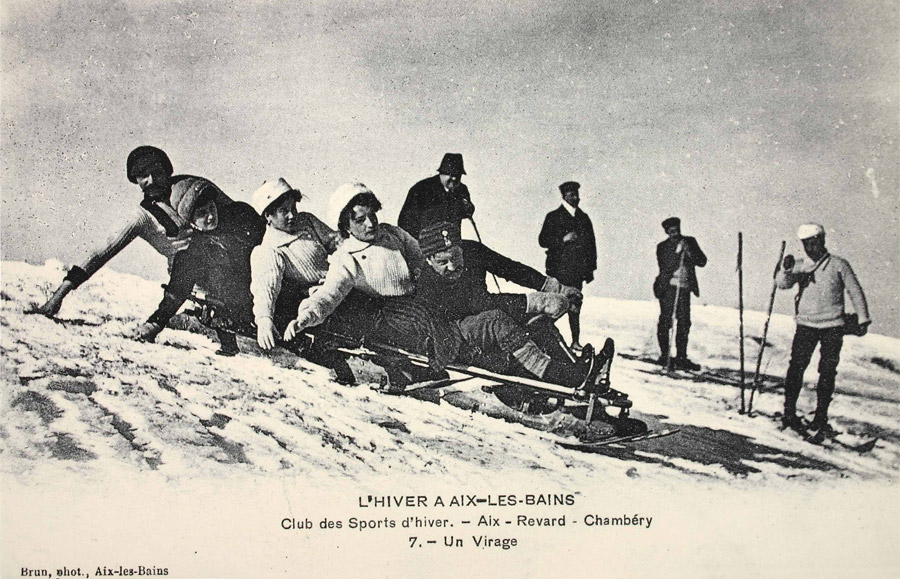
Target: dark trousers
{"x": 492, "y": 331}
{"x": 404, "y": 321}
{"x": 574, "y": 313}
{"x": 805, "y": 341}
{"x": 683, "y": 319}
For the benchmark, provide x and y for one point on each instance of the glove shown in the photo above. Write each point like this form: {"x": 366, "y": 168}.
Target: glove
{"x": 570, "y": 236}
{"x": 147, "y": 332}
{"x": 548, "y": 304}
{"x": 304, "y": 320}
{"x": 788, "y": 263}
{"x": 553, "y": 286}
{"x": 265, "y": 334}
{"x": 574, "y": 296}
{"x": 467, "y": 208}
{"x": 49, "y": 309}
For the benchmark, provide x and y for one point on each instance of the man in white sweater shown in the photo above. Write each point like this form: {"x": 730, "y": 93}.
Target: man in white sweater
{"x": 155, "y": 220}
{"x": 821, "y": 319}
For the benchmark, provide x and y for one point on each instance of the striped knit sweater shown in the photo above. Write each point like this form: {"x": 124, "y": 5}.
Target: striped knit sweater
{"x": 300, "y": 257}
{"x": 386, "y": 267}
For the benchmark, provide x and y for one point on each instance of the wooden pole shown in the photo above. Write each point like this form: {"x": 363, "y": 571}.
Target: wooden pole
{"x": 762, "y": 345}
{"x": 740, "y": 269}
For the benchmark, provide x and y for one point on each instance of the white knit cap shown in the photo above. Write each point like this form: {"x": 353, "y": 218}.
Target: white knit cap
{"x": 810, "y": 230}
{"x": 341, "y": 197}
{"x": 269, "y": 192}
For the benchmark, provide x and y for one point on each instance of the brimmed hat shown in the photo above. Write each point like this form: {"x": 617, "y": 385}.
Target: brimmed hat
{"x": 140, "y": 158}
{"x": 569, "y": 186}
{"x": 438, "y": 237}
{"x": 810, "y": 230}
{"x": 270, "y": 192}
{"x": 671, "y": 222}
{"x": 452, "y": 164}
{"x": 341, "y": 197}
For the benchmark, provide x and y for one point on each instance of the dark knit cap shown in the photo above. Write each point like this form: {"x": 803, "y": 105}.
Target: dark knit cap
{"x": 671, "y": 222}
{"x": 198, "y": 194}
{"x": 140, "y": 158}
{"x": 438, "y": 237}
{"x": 452, "y": 164}
{"x": 569, "y": 186}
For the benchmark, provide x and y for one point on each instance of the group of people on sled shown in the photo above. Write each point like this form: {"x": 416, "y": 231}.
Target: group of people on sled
{"x": 282, "y": 274}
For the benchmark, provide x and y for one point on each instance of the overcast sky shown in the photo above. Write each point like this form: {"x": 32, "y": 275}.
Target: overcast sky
{"x": 736, "y": 116}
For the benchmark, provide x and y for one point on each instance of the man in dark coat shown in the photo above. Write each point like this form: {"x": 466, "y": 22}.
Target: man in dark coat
{"x": 677, "y": 257}
{"x": 568, "y": 236}
{"x": 493, "y": 325}
{"x": 439, "y": 198}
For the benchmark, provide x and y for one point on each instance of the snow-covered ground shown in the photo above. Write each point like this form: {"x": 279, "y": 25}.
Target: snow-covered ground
{"x": 81, "y": 402}
{"x": 77, "y": 392}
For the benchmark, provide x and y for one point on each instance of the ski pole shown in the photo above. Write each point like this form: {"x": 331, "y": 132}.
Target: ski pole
{"x": 670, "y": 364}
{"x": 740, "y": 269}
{"x": 478, "y": 236}
{"x": 762, "y": 345}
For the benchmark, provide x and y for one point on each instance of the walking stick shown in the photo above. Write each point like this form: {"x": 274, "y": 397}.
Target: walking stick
{"x": 670, "y": 364}
{"x": 740, "y": 269}
{"x": 478, "y": 236}
{"x": 762, "y": 345}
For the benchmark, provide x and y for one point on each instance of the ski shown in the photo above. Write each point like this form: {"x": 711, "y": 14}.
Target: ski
{"x": 589, "y": 446}
{"x": 833, "y": 442}
{"x": 836, "y": 442}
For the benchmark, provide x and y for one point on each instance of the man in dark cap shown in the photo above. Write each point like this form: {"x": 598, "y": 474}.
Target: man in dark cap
{"x": 442, "y": 197}
{"x": 494, "y": 325}
{"x": 154, "y": 220}
{"x": 568, "y": 237}
{"x": 822, "y": 279}
{"x": 677, "y": 257}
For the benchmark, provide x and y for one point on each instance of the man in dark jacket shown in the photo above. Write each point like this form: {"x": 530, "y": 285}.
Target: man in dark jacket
{"x": 568, "y": 236}
{"x": 439, "y": 198}
{"x": 677, "y": 257}
{"x": 218, "y": 259}
{"x": 493, "y": 325}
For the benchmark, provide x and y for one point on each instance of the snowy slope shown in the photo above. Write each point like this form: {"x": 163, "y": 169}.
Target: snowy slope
{"x": 80, "y": 398}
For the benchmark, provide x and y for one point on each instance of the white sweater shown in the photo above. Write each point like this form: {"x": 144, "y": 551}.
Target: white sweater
{"x": 388, "y": 266}
{"x": 820, "y": 298}
{"x": 301, "y": 257}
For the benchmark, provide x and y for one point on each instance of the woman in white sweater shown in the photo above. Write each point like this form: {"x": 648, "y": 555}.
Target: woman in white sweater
{"x": 369, "y": 289}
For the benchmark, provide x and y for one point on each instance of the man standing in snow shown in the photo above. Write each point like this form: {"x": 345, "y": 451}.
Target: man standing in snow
{"x": 442, "y": 197}
{"x": 568, "y": 237}
{"x": 821, "y": 319}
{"x": 155, "y": 220}
{"x": 676, "y": 257}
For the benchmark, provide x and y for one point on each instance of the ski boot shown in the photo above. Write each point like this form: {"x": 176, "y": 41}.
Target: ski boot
{"x": 791, "y": 421}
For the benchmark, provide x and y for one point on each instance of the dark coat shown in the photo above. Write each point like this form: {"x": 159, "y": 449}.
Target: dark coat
{"x": 219, "y": 261}
{"x": 574, "y": 261}
{"x": 428, "y": 202}
{"x": 668, "y": 261}
{"x": 468, "y": 295}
